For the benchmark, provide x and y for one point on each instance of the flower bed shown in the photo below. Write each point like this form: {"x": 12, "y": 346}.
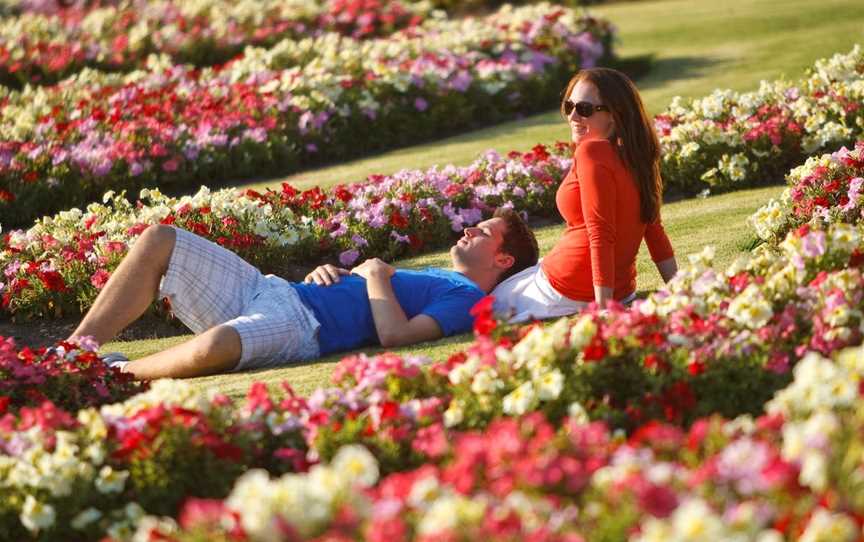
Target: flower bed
{"x": 79, "y": 477}
{"x": 70, "y": 377}
{"x": 524, "y": 479}
{"x": 39, "y": 48}
{"x": 273, "y": 110}
{"x": 59, "y": 265}
{"x": 406, "y": 449}
{"x": 730, "y": 139}
{"x": 826, "y": 189}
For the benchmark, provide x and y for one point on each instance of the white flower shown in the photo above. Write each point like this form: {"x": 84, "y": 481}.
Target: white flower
{"x": 36, "y": 516}
{"x": 694, "y": 520}
{"x": 825, "y": 526}
{"x": 486, "y": 381}
{"x": 582, "y": 332}
{"x": 519, "y": 400}
{"x": 750, "y": 308}
{"x": 357, "y": 464}
{"x": 463, "y": 371}
{"x": 549, "y": 385}
{"x": 454, "y": 414}
{"x": 85, "y": 518}
{"x": 450, "y": 512}
{"x": 424, "y": 491}
{"x": 111, "y": 481}
{"x": 814, "y": 471}
{"x": 577, "y": 413}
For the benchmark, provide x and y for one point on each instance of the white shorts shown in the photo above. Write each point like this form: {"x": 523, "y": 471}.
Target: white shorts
{"x": 529, "y": 295}
{"x": 209, "y": 285}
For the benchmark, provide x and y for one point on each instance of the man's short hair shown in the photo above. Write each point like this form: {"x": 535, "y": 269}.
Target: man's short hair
{"x": 519, "y": 242}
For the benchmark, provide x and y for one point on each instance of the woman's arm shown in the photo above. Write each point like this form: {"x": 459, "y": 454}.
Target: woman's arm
{"x": 598, "y": 200}
{"x": 602, "y": 294}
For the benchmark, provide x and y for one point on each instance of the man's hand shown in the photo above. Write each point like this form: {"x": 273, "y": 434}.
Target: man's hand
{"x": 325, "y": 275}
{"x": 374, "y": 268}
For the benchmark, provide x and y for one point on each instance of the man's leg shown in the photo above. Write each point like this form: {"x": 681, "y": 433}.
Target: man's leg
{"x": 214, "y": 351}
{"x": 132, "y": 287}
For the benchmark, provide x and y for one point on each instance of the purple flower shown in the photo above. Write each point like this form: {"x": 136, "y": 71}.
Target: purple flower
{"x": 461, "y": 81}
{"x": 320, "y": 120}
{"x": 348, "y": 257}
{"x": 420, "y": 104}
{"x": 359, "y": 240}
{"x": 471, "y": 216}
{"x": 377, "y": 220}
{"x": 102, "y": 168}
{"x": 399, "y": 238}
{"x": 311, "y": 147}
{"x": 304, "y": 121}
{"x": 136, "y": 169}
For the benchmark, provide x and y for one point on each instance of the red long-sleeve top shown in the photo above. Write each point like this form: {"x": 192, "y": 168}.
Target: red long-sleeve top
{"x": 599, "y": 201}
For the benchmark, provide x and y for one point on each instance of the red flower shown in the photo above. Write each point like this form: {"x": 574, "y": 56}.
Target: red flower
{"x": 397, "y": 220}
{"x": 6, "y": 196}
{"x": 389, "y": 410}
{"x": 595, "y": 351}
{"x": 484, "y": 321}
{"x": 342, "y": 193}
{"x": 258, "y": 398}
{"x": 53, "y": 281}
{"x": 4, "y": 403}
{"x": 655, "y": 362}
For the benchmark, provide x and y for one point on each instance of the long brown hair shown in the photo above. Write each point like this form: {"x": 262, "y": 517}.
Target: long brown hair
{"x": 639, "y": 148}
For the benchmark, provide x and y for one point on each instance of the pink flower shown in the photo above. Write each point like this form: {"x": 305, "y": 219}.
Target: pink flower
{"x": 431, "y": 441}
{"x": 171, "y": 165}
{"x": 99, "y": 278}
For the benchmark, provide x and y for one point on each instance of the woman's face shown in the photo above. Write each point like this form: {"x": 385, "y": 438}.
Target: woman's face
{"x": 599, "y": 125}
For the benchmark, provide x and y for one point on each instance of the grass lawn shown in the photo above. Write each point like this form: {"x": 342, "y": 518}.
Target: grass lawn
{"x": 695, "y": 47}
{"x": 691, "y": 224}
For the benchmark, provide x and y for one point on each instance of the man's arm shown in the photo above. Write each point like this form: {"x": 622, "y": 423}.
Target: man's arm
{"x": 391, "y": 324}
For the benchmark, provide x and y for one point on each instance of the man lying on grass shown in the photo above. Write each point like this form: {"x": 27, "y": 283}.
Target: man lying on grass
{"x": 246, "y": 320}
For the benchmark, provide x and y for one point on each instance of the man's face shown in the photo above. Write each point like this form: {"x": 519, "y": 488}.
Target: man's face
{"x": 480, "y": 245}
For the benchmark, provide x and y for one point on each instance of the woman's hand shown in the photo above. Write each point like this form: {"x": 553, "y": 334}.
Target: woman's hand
{"x": 667, "y": 268}
{"x": 602, "y": 295}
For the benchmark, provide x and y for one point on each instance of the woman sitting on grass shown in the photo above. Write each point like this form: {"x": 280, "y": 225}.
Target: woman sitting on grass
{"x": 610, "y": 201}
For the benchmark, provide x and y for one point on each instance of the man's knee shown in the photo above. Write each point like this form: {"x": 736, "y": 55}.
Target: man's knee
{"x": 157, "y": 243}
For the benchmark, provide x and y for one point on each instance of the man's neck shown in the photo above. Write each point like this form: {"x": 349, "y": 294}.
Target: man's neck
{"x": 485, "y": 281}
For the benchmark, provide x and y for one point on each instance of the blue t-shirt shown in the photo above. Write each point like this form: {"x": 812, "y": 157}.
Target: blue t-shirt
{"x": 345, "y": 314}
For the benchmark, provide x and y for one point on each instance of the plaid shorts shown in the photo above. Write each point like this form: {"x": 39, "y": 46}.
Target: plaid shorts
{"x": 208, "y": 285}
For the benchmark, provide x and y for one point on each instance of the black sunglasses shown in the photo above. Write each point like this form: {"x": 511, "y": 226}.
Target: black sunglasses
{"x": 584, "y": 109}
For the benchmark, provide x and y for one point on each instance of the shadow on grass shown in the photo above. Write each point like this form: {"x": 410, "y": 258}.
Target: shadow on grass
{"x": 665, "y": 70}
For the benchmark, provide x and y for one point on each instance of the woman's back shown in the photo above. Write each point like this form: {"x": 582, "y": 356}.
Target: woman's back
{"x": 600, "y": 203}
